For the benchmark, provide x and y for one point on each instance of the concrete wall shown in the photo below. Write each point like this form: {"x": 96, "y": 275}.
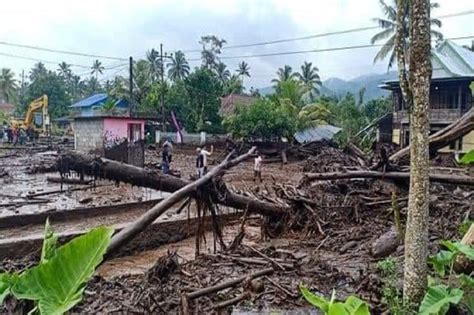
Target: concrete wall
{"x": 118, "y": 128}
{"x": 88, "y": 135}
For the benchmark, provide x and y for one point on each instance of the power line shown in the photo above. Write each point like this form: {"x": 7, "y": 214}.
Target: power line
{"x": 293, "y": 39}
{"x": 296, "y": 52}
{"x": 39, "y": 60}
{"x": 58, "y": 51}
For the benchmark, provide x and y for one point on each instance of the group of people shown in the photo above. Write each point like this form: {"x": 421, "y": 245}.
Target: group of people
{"x": 202, "y": 160}
{"x": 15, "y": 135}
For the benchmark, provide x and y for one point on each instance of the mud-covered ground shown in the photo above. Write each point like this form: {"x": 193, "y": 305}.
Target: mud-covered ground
{"x": 331, "y": 249}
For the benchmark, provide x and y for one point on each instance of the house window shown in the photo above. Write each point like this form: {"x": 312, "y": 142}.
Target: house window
{"x": 134, "y": 132}
{"x": 406, "y": 138}
{"x": 456, "y": 145}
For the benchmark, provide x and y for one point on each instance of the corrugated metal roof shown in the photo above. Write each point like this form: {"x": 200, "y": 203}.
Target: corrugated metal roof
{"x": 91, "y": 101}
{"x": 318, "y": 133}
{"x": 450, "y": 61}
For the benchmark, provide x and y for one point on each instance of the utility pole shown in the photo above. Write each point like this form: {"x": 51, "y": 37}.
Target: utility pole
{"x": 132, "y": 103}
{"x": 162, "y": 96}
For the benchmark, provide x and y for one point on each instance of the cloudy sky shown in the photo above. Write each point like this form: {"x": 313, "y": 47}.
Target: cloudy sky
{"x": 123, "y": 28}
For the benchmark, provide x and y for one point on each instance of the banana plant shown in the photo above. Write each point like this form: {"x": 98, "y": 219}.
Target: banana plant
{"x": 439, "y": 296}
{"x": 56, "y": 284}
{"x": 352, "y": 306}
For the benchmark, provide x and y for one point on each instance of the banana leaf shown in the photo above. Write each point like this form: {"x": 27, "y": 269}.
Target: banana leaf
{"x": 58, "y": 283}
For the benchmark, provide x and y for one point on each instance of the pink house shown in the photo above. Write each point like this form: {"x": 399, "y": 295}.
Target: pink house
{"x": 119, "y": 138}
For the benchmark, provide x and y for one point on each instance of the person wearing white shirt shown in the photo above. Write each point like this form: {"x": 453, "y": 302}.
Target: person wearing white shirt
{"x": 257, "y": 168}
{"x": 201, "y": 160}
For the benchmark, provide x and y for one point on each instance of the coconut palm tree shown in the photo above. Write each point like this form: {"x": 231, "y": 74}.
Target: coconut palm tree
{"x": 37, "y": 71}
{"x": 291, "y": 90}
{"x": 389, "y": 25}
{"x": 178, "y": 67}
{"x": 64, "y": 70}
{"x": 8, "y": 85}
{"x": 310, "y": 79}
{"x": 312, "y": 115}
{"x": 97, "y": 68}
{"x": 156, "y": 67}
{"x": 233, "y": 86}
{"x": 93, "y": 85}
{"x": 243, "y": 70}
{"x": 284, "y": 74}
{"x": 223, "y": 74}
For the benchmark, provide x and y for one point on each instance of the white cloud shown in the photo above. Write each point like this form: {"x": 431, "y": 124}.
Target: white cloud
{"x": 123, "y": 27}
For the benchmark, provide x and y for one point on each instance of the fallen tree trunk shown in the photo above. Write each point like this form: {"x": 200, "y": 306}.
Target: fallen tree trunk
{"x": 66, "y": 180}
{"x": 442, "y": 138}
{"x": 441, "y": 178}
{"x": 151, "y": 215}
{"x": 117, "y": 171}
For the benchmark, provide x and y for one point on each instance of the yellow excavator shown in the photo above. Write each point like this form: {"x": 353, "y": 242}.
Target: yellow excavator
{"x": 28, "y": 121}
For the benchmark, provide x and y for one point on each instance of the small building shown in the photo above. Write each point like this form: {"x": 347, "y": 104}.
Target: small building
{"x": 117, "y": 138}
{"x": 231, "y": 101}
{"x": 7, "y": 108}
{"x": 92, "y": 105}
{"x": 450, "y": 95}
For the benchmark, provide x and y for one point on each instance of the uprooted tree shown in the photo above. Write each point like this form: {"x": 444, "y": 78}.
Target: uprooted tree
{"x": 215, "y": 190}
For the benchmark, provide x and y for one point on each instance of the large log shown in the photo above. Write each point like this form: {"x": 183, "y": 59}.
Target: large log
{"x": 104, "y": 168}
{"x": 443, "y": 137}
{"x": 132, "y": 230}
{"x": 441, "y": 178}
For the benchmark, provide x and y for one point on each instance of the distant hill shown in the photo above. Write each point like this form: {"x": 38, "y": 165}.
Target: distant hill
{"x": 338, "y": 87}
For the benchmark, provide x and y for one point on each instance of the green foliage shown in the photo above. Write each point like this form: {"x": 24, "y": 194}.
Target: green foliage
{"x": 468, "y": 158}
{"x": 438, "y": 298}
{"x": 441, "y": 260}
{"x": 264, "y": 120}
{"x": 51, "y": 84}
{"x": 204, "y": 91}
{"x": 392, "y": 296}
{"x": 464, "y": 226}
{"x": 352, "y": 306}
{"x": 50, "y": 241}
{"x": 8, "y": 85}
{"x": 56, "y": 284}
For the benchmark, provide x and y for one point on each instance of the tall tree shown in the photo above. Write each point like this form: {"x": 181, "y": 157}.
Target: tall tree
{"x": 37, "y": 71}
{"x": 8, "y": 85}
{"x": 389, "y": 27}
{"x": 51, "y": 84}
{"x": 178, "y": 67}
{"x": 416, "y": 235}
{"x": 142, "y": 80}
{"x": 97, "y": 68}
{"x": 284, "y": 74}
{"x": 156, "y": 68}
{"x": 233, "y": 86}
{"x": 243, "y": 70}
{"x": 93, "y": 85}
{"x": 211, "y": 49}
{"x": 310, "y": 78}
{"x": 64, "y": 70}
{"x": 223, "y": 74}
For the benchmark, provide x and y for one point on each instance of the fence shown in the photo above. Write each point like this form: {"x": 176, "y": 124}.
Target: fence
{"x": 191, "y": 138}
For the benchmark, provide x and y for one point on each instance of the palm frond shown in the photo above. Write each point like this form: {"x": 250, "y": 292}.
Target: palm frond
{"x": 384, "y": 23}
{"x": 436, "y": 22}
{"x": 386, "y": 49}
{"x": 382, "y": 35}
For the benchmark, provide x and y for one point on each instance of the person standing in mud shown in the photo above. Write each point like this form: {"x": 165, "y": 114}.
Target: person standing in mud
{"x": 169, "y": 143}
{"x": 205, "y": 154}
{"x": 257, "y": 168}
{"x": 165, "y": 159}
{"x": 199, "y": 163}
